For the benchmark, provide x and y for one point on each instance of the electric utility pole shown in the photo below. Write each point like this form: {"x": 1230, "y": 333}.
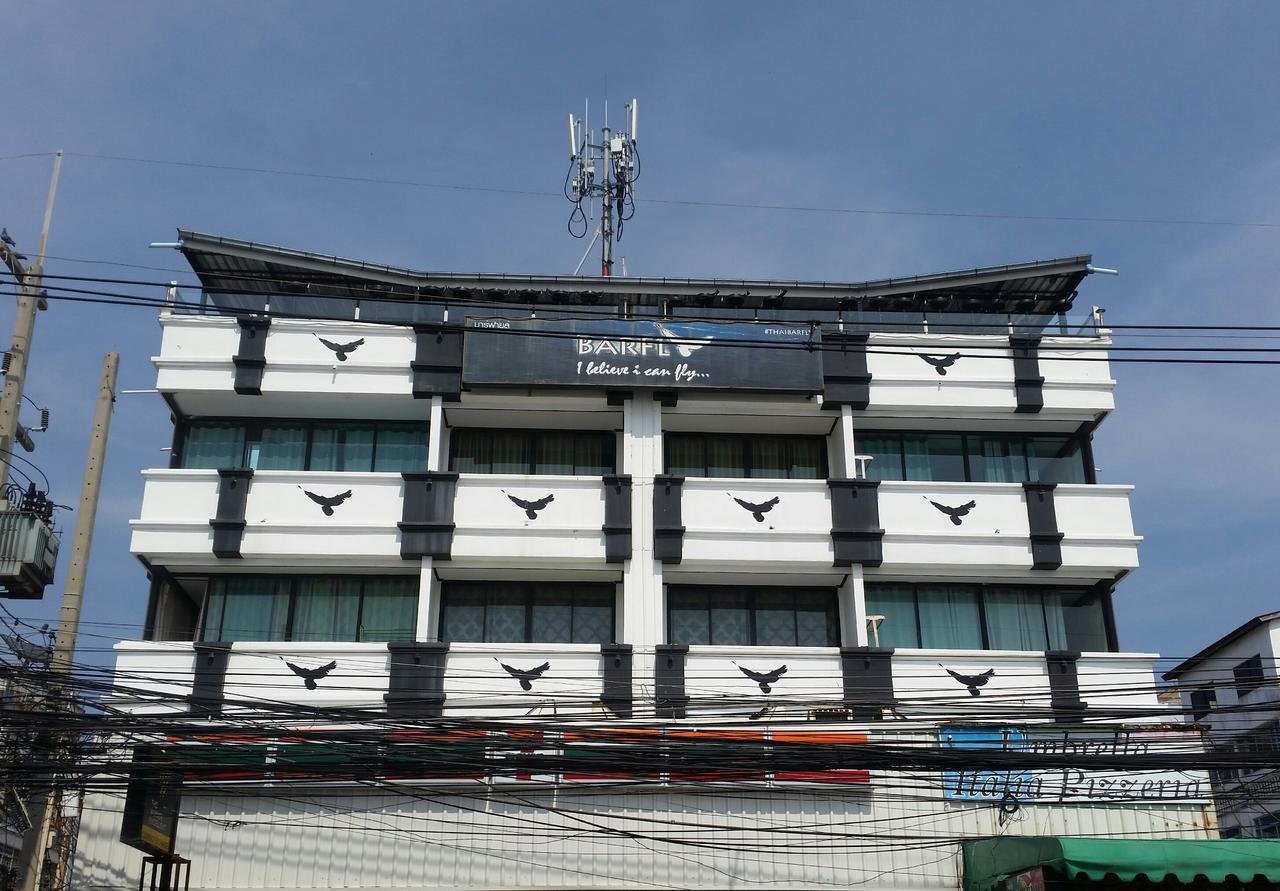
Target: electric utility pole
{"x": 619, "y": 169}
{"x": 24, "y": 325}
{"x": 48, "y": 805}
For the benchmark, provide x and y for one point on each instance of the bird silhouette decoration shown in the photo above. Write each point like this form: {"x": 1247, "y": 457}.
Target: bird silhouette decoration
{"x": 955, "y": 513}
{"x": 341, "y": 349}
{"x": 530, "y": 508}
{"x": 972, "y": 681}
{"x": 685, "y": 346}
{"x": 311, "y": 675}
{"x": 940, "y": 365}
{"x": 757, "y": 510}
{"x": 327, "y": 502}
{"x": 526, "y": 676}
{"x": 764, "y": 678}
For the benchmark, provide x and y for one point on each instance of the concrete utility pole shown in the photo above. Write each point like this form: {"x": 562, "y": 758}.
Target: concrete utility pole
{"x": 37, "y": 841}
{"x": 24, "y": 326}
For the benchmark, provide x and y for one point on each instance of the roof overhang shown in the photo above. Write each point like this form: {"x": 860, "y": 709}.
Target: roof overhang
{"x": 989, "y": 862}
{"x": 233, "y": 267}
{"x": 1230, "y": 637}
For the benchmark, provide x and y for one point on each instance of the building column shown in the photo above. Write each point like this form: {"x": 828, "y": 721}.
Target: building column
{"x": 853, "y": 609}
{"x": 643, "y": 608}
{"x": 428, "y": 603}
{"x": 437, "y": 437}
{"x": 848, "y": 448}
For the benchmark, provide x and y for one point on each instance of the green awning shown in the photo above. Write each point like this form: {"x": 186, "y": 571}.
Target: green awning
{"x": 989, "y": 861}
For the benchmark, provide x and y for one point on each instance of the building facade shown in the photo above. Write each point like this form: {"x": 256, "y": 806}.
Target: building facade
{"x": 491, "y": 581}
{"x": 1230, "y": 688}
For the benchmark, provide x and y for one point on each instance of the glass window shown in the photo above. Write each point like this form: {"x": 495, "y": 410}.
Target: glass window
{"x": 949, "y": 617}
{"x": 997, "y": 459}
{"x": 765, "y": 616}
{"x": 1055, "y": 459}
{"x": 213, "y": 446}
{"x": 886, "y": 455}
{"x": 897, "y": 604}
{"x": 539, "y": 452}
{"x": 1015, "y": 619}
{"x": 525, "y": 612}
{"x": 740, "y": 455}
{"x": 314, "y": 608}
{"x": 278, "y": 448}
{"x": 1248, "y": 674}
{"x": 934, "y": 456}
{"x": 1203, "y": 702}
{"x": 1077, "y": 621}
{"x": 400, "y": 448}
{"x": 342, "y": 448}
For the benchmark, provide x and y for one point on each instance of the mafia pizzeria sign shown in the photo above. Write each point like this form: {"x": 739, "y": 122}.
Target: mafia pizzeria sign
{"x": 654, "y": 354}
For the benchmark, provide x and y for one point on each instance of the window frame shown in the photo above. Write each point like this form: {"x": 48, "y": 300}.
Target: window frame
{"x": 1203, "y": 702}
{"x": 253, "y": 428}
{"x": 753, "y": 592}
{"x": 1104, "y": 600}
{"x": 1248, "y": 675}
{"x": 748, "y": 441}
{"x": 608, "y": 448}
{"x": 528, "y": 592}
{"x": 1080, "y": 440}
{"x": 293, "y": 594}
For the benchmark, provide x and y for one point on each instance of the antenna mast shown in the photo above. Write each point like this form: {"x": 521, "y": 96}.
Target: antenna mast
{"x": 618, "y": 169}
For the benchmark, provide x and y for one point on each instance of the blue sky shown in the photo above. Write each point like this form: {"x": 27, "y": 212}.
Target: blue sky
{"x": 1153, "y": 110}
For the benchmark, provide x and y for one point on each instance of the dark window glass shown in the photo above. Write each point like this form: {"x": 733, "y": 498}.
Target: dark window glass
{"x": 316, "y": 608}
{"x": 527, "y": 612}
{"x": 1248, "y": 674}
{"x": 994, "y": 617}
{"x": 972, "y": 457}
{"x": 765, "y": 616}
{"x": 934, "y": 456}
{"x": 1203, "y": 702}
{"x": 332, "y": 447}
{"x": 539, "y": 452}
{"x": 740, "y": 455}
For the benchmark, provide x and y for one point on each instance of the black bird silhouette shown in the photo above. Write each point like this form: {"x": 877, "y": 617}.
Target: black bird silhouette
{"x": 941, "y": 365}
{"x": 526, "y": 676}
{"x": 757, "y": 510}
{"x": 972, "y": 681}
{"x": 530, "y": 508}
{"x": 955, "y": 513}
{"x": 311, "y": 675}
{"x": 6, "y": 238}
{"x": 327, "y": 503}
{"x": 341, "y": 349}
{"x": 764, "y": 678}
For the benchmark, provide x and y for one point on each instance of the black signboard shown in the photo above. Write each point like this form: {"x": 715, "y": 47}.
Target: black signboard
{"x": 653, "y": 354}
{"x": 151, "y": 803}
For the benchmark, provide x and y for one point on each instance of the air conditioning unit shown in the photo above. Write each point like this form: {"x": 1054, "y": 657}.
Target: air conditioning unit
{"x": 28, "y": 553}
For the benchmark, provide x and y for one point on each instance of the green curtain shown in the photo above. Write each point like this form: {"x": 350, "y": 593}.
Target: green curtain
{"x": 213, "y": 446}
{"x": 886, "y": 455}
{"x": 726, "y": 457}
{"x": 400, "y": 448}
{"x": 950, "y": 618}
{"x": 897, "y": 603}
{"x": 555, "y": 452}
{"x": 254, "y": 608}
{"x": 1015, "y": 619}
{"x": 279, "y": 448}
{"x": 326, "y": 608}
{"x": 389, "y": 609}
{"x": 686, "y": 454}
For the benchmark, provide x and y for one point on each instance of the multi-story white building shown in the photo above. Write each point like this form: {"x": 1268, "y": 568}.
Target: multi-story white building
{"x": 632, "y": 582}
{"x": 1232, "y": 687}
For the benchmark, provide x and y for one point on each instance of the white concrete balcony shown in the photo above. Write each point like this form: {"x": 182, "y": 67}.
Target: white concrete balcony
{"x": 301, "y": 376}
{"x": 981, "y": 380}
{"x": 994, "y": 533}
{"x": 352, "y": 520}
{"x": 791, "y": 527}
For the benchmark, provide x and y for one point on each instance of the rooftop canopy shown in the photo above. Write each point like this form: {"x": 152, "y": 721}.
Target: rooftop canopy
{"x": 238, "y": 274}
{"x": 989, "y": 862}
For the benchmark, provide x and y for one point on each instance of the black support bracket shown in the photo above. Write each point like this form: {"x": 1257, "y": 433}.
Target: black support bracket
{"x": 1028, "y": 383}
{"x": 868, "y": 681}
{"x": 209, "y": 678}
{"x": 437, "y": 362}
{"x": 1042, "y": 519}
{"x": 615, "y": 675}
{"x": 1064, "y": 686}
{"x": 251, "y": 356}
{"x": 668, "y": 680}
{"x": 228, "y": 524}
{"x": 845, "y": 378}
{"x": 856, "y": 535}
{"x": 416, "y": 687}
{"x": 617, "y": 518}
{"x": 426, "y": 523}
{"x": 668, "y": 529}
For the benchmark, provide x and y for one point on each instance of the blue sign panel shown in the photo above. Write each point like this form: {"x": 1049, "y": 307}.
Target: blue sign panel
{"x": 648, "y": 354}
{"x": 984, "y": 785}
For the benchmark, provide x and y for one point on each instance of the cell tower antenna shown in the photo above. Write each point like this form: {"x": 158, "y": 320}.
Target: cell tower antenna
{"x": 619, "y": 168}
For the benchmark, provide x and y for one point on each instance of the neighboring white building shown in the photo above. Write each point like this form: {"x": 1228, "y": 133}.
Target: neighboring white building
{"x": 623, "y": 575}
{"x": 1232, "y": 687}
